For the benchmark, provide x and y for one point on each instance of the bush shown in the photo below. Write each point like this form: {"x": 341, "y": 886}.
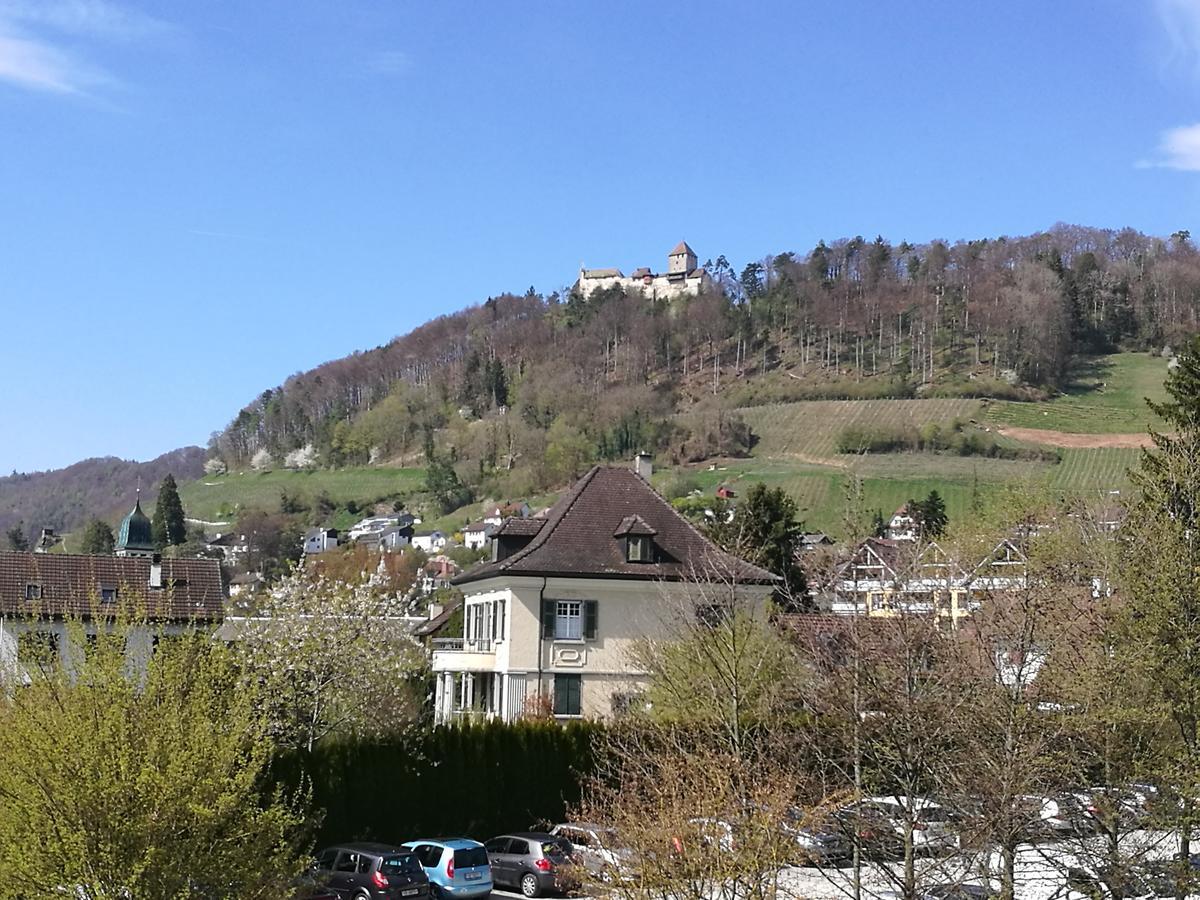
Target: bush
{"x": 762, "y": 392}
{"x": 958, "y": 438}
{"x": 983, "y": 389}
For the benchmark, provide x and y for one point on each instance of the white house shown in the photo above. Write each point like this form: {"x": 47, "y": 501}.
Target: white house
{"x": 477, "y": 535}
{"x": 497, "y": 514}
{"x": 318, "y": 540}
{"x": 430, "y": 541}
{"x": 682, "y": 278}
{"x": 551, "y": 619}
{"x": 39, "y": 591}
{"x": 902, "y": 526}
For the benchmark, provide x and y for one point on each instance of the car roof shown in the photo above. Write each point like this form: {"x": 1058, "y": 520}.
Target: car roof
{"x": 583, "y": 826}
{"x": 452, "y": 843}
{"x": 529, "y": 835}
{"x": 367, "y": 847}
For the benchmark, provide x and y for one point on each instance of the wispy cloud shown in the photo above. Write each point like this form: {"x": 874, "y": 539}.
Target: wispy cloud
{"x": 389, "y": 62}
{"x": 1178, "y": 148}
{"x": 1180, "y": 23}
{"x": 33, "y": 55}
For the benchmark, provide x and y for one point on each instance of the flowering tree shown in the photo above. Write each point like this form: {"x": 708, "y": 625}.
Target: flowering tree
{"x": 335, "y": 656}
{"x": 262, "y": 460}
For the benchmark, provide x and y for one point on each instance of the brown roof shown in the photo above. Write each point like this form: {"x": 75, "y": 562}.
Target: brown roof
{"x": 516, "y": 527}
{"x": 577, "y": 538}
{"x": 682, "y": 247}
{"x": 70, "y": 584}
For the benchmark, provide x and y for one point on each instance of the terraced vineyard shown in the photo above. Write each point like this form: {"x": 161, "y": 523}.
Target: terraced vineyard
{"x": 809, "y": 430}
{"x": 1101, "y": 469}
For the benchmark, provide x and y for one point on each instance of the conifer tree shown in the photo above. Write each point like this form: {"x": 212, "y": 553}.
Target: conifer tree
{"x": 167, "y": 524}
{"x": 97, "y": 539}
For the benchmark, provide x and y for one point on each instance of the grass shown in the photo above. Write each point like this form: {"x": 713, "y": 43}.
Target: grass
{"x": 217, "y": 498}
{"x": 810, "y": 429}
{"x": 1106, "y": 395}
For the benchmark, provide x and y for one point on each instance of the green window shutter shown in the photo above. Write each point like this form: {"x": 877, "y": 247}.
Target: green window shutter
{"x": 560, "y": 694}
{"x": 590, "y": 619}
{"x": 548, "y": 610}
{"x": 568, "y": 691}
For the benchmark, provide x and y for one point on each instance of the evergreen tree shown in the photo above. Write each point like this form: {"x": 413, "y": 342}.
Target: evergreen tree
{"x": 878, "y": 524}
{"x": 167, "y": 524}
{"x": 16, "y": 538}
{"x": 933, "y": 515}
{"x": 97, "y": 539}
{"x": 765, "y": 529}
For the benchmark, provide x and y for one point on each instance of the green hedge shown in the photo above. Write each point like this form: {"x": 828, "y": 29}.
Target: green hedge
{"x": 470, "y": 780}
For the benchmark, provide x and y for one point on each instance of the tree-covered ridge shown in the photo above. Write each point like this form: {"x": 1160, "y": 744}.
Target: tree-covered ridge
{"x": 601, "y": 376}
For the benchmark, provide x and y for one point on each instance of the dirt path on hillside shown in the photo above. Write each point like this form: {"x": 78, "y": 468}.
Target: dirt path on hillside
{"x": 1078, "y": 441}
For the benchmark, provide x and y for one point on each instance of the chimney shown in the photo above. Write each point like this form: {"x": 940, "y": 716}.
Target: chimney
{"x": 435, "y": 610}
{"x": 643, "y": 465}
{"x": 156, "y": 570}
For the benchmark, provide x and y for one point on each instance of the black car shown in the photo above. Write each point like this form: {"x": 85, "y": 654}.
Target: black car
{"x": 533, "y": 862}
{"x": 365, "y": 871}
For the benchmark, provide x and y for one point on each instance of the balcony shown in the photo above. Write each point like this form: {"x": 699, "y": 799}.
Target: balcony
{"x": 464, "y": 654}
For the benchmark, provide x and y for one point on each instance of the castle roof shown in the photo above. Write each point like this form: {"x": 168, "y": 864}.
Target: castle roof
{"x": 602, "y": 273}
{"x": 682, "y": 247}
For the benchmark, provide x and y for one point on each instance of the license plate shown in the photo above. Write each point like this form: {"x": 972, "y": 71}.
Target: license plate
{"x": 474, "y": 876}
{"x": 411, "y": 892}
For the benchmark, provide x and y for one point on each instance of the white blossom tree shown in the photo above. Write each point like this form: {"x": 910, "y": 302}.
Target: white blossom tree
{"x": 262, "y": 460}
{"x": 335, "y": 657}
{"x": 301, "y": 458}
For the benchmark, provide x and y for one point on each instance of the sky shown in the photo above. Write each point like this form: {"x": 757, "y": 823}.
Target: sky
{"x": 199, "y": 199}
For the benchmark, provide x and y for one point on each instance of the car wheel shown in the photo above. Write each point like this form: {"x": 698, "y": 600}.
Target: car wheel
{"x": 529, "y": 885}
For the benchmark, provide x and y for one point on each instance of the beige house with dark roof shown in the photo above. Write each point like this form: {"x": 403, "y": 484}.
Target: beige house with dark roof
{"x": 550, "y": 620}
{"x": 682, "y": 278}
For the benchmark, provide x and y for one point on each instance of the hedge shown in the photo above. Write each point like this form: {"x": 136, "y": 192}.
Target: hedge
{"x": 474, "y": 780}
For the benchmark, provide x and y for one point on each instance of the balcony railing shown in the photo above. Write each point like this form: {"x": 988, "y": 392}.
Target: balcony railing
{"x": 459, "y": 645}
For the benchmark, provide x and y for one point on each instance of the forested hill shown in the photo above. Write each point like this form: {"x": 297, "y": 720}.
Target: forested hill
{"x": 63, "y": 499}
{"x": 533, "y": 384}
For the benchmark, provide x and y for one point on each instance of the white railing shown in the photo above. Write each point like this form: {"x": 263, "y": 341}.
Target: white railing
{"x": 460, "y": 645}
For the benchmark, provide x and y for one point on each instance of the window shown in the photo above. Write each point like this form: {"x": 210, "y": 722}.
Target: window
{"x": 496, "y": 845}
{"x": 365, "y": 864}
{"x": 347, "y": 862}
{"x": 37, "y": 648}
{"x": 33, "y": 592}
{"x": 325, "y": 860}
{"x": 567, "y": 689}
{"x": 568, "y": 622}
{"x": 108, "y": 595}
{"x": 639, "y": 548}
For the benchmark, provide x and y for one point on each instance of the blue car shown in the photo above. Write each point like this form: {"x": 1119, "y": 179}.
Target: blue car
{"x": 457, "y": 868}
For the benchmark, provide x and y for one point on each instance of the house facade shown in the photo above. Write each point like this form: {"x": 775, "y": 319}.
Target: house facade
{"x": 890, "y": 577}
{"x": 40, "y": 591}
{"x": 551, "y": 620}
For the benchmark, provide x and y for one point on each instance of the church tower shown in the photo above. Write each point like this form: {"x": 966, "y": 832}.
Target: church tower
{"x": 681, "y": 260}
{"x": 135, "y": 537}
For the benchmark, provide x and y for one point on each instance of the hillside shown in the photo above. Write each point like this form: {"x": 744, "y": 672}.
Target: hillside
{"x": 64, "y": 499}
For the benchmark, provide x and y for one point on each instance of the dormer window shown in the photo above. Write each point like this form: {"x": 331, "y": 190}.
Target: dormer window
{"x": 33, "y": 592}
{"x": 108, "y": 595}
{"x": 638, "y": 537}
{"x": 639, "y": 548}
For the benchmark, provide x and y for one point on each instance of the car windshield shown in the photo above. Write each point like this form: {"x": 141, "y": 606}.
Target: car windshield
{"x": 401, "y": 864}
{"x": 470, "y": 858}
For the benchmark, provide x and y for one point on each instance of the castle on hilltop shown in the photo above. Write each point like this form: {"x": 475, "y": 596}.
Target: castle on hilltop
{"x": 682, "y": 278}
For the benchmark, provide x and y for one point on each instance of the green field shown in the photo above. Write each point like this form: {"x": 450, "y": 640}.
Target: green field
{"x": 1106, "y": 395}
{"x": 217, "y": 498}
{"x": 809, "y": 429}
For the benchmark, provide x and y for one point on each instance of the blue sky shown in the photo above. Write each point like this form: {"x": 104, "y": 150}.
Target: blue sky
{"x": 198, "y": 199}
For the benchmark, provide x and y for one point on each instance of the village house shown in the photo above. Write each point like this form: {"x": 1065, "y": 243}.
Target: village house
{"x": 497, "y": 514}
{"x": 682, "y": 278}
{"x": 437, "y": 573}
{"x": 477, "y": 534}
{"x": 550, "y": 620}
{"x": 318, "y": 540}
{"x": 889, "y": 577}
{"x": 430, "y": 541}
{"x": 39, "y": 592}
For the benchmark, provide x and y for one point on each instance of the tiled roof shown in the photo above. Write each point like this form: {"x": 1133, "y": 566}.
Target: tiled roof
{"x": 576, "y": 539}
{"x": 515, "y": 527}
{"x": 70, "y": 584}
{"x": 602, "y": 273}
{"x": 682, "y": 247}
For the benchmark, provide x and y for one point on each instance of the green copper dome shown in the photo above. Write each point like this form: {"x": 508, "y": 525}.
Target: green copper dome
{"x": 135, "y": 533}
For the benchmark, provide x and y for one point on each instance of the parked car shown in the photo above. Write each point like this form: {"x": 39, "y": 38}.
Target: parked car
{"x": 533, "y": 862}
{"x": 871, "y": 828}
{"x": 456, "y": 867}
{"x": 597, "y": 849}
{"x": 366, "y": 871}
{"x": 821, "y": 840}
{"x": 1057, "y": 816}
{"x": 933, "y": 825}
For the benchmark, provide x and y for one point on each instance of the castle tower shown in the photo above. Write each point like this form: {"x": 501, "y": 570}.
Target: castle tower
{"x": 681, "y": 260}
{"x": 135, "y": 537}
